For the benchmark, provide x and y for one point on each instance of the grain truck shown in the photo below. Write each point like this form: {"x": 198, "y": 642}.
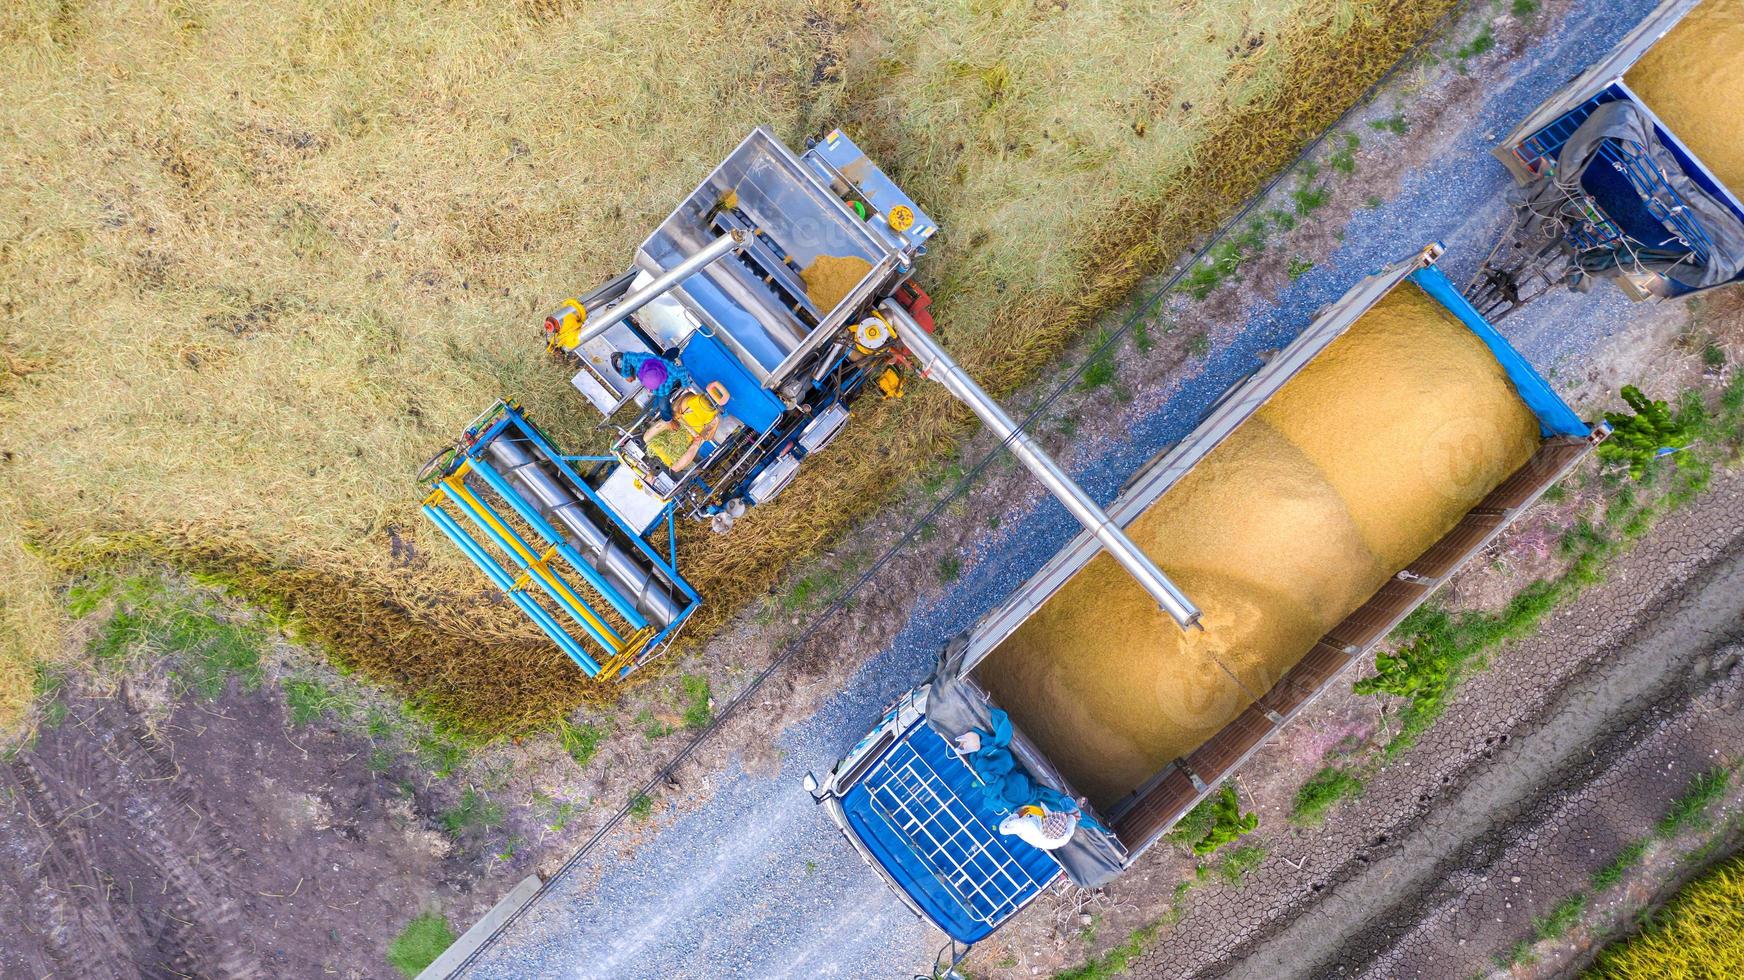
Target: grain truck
{"x": 1633, "y": 171}
{"x": 752, "y": 319}
{"x": 1317, "y": 503}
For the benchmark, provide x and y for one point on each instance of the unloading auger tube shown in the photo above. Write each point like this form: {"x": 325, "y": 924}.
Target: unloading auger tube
{"x": 939, "y": 366}
{"x": 658, "y": 286}
{"x": 631, "y": 576}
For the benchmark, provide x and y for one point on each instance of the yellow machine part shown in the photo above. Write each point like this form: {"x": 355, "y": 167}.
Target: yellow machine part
{"x": 569, "y": 317}
{"x": 890, "y": 383}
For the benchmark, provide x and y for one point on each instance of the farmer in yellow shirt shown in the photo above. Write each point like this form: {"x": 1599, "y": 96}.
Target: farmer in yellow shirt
{"x": 676, "y": 443}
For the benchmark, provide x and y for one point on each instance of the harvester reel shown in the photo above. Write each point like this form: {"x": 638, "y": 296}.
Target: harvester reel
{"x": 438, "y": 463}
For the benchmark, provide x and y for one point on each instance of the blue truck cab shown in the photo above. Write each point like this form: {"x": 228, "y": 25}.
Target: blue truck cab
{"x": 910, "y": 806}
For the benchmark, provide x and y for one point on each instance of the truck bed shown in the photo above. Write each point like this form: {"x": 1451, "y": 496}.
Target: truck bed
{"x": 1141, "y": 806}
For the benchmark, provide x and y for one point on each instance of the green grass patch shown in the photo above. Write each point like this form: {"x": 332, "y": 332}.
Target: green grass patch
{"x": 1117, "y": 960}
{"x": 440, "y": 756}
{"x": 1141, "y": 337}
{"x": 419, "y": 943}
{"x": 1298, "y": 268}
{"x": 651, "y": 725}
{"x": 1310, "y": 198}
{"x": 1627, "y": 858}
{"x": 1690, "y": 811}
{"x": 475, "y": 811}
{"x": 1224, "y": 259}
{"x": 152, "y": 620}
{"x": 1214, "y": 823}
{"x": 582, "y": 741}
{"x": 641, "y": 807}
{"x": 1321, "y": 792}
{"x": 818, "y": 587}
{"x": 1483, "y": 43}
{"x": 1100, "y": 369}
{"x": 306, "y": 701}
{"x": 950, "y": 567}
{"x": 699, "y": 701}
{"x": 1558, "y": 921}
{"x": 1238, "y": 863}
{"x": 1394, "y": 124}
{"x": 1343, "y": 159}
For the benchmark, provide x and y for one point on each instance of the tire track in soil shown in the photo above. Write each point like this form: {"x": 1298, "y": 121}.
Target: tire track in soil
{"x": 1380, "y": 854}
{"x": 119, "y": 828}
{"x": 1478, "y": 902}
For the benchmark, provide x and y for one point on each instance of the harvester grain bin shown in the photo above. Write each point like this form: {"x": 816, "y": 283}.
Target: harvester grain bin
{"x": 774, "y": 296}
{"x": 1319, "y": 502}
{"x": 1634, "y": 170}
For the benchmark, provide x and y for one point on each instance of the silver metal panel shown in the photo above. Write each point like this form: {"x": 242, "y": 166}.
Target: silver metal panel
{"x": 1601, "y": 73}
{"x": 1163, "y": 473}
{"x": 665, "y": 319}
{"x": 773, "y": 479}
{"x": 789, "y": 201}
{"x": 632, "y": 500}
{"x": 605, "y": 388}
{"x": 638, "y": 580}
{"x": 819, "y": 431}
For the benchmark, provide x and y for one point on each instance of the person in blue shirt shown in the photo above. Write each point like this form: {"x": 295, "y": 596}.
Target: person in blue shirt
{"x": 660, "y": 375}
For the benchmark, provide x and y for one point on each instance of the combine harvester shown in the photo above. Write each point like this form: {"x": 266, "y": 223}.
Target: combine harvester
{"x": 1319, "y": 502}
{"x": 1634, "y": 171}
{"x": 729, "y": 352}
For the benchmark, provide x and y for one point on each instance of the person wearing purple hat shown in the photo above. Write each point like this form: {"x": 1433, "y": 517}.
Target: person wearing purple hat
{"x": 660, "y": 375}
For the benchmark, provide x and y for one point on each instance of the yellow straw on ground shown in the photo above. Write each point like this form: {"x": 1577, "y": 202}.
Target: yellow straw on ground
{"x": 1693, "y": 80}
{"x": 1354, "y": 468}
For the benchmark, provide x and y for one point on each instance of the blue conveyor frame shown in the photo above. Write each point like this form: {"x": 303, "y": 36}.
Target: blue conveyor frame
{"x": 609, "y": 635}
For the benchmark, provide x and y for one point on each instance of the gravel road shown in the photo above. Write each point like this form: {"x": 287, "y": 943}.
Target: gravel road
{"x": 757, "y": 883}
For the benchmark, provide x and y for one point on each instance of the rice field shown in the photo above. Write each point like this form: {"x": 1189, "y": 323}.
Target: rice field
{"x": 258, "y": 261}
{"x": 1700, "y": 934}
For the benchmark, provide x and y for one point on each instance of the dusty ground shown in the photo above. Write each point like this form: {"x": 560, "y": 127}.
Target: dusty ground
{"x": 155, "y": 836}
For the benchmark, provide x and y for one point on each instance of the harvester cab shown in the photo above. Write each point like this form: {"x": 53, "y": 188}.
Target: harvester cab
{"x": 732, "y": 349}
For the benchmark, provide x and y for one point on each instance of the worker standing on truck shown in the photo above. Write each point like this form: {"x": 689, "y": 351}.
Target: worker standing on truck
{"x": 660, "y": 375}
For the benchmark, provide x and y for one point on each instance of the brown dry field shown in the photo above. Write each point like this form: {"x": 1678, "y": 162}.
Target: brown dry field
{"x": 258, "y": 261}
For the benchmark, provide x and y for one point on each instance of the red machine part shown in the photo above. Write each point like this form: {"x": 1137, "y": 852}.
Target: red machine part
{"x": 919, "y": 305}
